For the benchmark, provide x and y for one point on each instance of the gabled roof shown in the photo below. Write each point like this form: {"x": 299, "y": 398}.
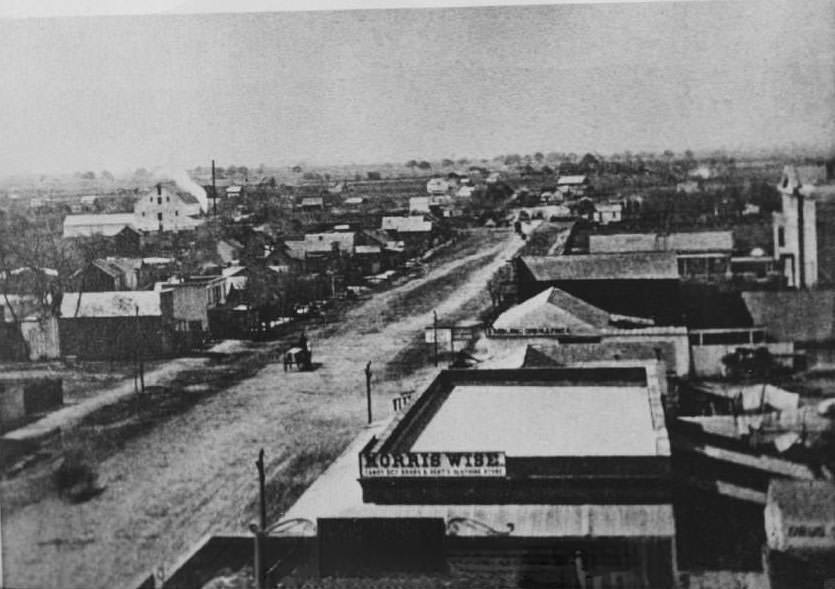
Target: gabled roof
{"x": 554, "y": 309}
{"x": 112, "y": 304}
{"x": 636, "y": 266}
{"x": 702, "y": 241}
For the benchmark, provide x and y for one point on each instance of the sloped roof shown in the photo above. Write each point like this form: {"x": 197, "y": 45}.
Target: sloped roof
{"x": 112, "y": 304}
{"x": 632, "y": 266}
{"x": 702, "y": 241}
{"x": 554, "y": 309}
{"x": 105, "y": 224}
{"x": 796, "y": 315}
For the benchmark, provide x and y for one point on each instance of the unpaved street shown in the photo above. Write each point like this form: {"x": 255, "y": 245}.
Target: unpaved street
{"x": 194, "y": 474}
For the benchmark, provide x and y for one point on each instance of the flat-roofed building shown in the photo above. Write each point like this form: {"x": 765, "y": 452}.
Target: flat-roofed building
{"x": 510, "y": 467}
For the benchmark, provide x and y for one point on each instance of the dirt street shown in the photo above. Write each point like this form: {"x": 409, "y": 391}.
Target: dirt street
{"x": 194, "y": 473}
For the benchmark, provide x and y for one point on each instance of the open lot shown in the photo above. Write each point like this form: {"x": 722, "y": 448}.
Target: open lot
{"x": 190, "y": 473}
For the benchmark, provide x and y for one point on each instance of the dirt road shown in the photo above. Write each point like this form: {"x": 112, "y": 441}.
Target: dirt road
{"x": 194, "y": 474}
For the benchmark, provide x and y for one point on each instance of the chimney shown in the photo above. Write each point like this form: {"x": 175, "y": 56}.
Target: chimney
{"x": 159, "y": 189}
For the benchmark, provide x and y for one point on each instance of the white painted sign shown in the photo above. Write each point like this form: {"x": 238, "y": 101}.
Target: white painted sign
{"x": 433, "y": 464}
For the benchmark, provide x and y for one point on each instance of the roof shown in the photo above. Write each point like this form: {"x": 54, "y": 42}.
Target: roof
{"x": 354, "y": 200}
{"x": 634, "y": 266}
{"x": 803, "y": 500}
{"x": 575, "y": 179}
{"x": 411, "y": 224}
{"x": 564, "y": 355}
{"x": 553, "y": 309}
{"x": 702, "y": 241}
{"x": 367, "y": 249}
{"x": 542, "y": 420}
{"x": 111, "y": 304}
{"x": 313, "y": 201}
{"x": 796, "y": 315}
{"x": 105, "y": 224}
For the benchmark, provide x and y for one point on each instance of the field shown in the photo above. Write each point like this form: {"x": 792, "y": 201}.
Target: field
{"x": 182, "y": 466}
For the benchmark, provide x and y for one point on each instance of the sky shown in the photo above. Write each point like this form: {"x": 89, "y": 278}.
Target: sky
{"x": 369, "y": 86}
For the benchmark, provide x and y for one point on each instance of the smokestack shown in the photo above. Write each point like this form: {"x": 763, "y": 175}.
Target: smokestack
{"x": 214, "y": 190}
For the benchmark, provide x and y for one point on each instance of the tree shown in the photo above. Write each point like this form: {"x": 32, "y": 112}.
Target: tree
{"x": 446, "y": 163}
{"x": 107, "y": 176}
{"x": 412, "y": 164}
{"x": 512, "y": 159}
{"x": 539, "y": 157}
{"x": 424, "y": 165}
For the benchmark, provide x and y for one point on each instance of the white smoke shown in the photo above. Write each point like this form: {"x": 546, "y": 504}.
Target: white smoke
{"x": 185, "y": 182}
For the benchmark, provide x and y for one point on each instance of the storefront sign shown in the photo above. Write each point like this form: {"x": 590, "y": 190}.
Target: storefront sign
{"x": 433, "y": 464}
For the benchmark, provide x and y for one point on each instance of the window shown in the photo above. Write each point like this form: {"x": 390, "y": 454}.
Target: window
{"x": 159, "y": 200}
{"x": 781, "y": 236}
{"x": 159, "y": 216}
{"x": 152, "y": 199}
{"x": 143, "y": 213}
{"x": 167, "y": 199}
{"x": 176, "y": 213}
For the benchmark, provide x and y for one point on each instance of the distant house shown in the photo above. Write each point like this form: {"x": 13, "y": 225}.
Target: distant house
{"x": 573, "y": 185}
{"x": 109, "y": 274}
{"x": 606, "y": 213}
{"x": 313, "y": 203}
{"x": 637, "y": 285}
{"x": 166, "y": 208}
{"x": 114, "y": 325}
{"x": 192, "y": 298}
{"x": 702, "y": 254}
{"x": 437, "y": 186}
{"x": 804, "y": 230}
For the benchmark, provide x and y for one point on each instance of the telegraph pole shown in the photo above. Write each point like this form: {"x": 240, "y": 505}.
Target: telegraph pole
{"x": 260, "y": 531}
{"x": 368, "y": 389}
{"x": 435, "y": 330}
{"x": 214, "y": 190}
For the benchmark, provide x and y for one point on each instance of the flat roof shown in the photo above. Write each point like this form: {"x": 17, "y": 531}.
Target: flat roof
{"x": 542, "y": 420}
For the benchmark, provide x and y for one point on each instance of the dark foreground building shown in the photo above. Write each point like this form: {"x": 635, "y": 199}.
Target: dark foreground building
{"x": 491, "y": 478}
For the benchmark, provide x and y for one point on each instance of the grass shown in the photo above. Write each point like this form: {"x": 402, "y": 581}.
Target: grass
{"x": 314, "y": 452}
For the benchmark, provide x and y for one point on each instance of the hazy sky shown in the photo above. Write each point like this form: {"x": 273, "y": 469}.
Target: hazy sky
{"x": 120, "y": 92}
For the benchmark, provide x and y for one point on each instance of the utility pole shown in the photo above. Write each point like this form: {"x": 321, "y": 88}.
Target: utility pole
{"x": 368, "y": 389}
{"x": 139, "y": 352}
{"x": 260, "y": 531}
{"x": 435, "y": 338}
{"x": 214, "y": 190}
